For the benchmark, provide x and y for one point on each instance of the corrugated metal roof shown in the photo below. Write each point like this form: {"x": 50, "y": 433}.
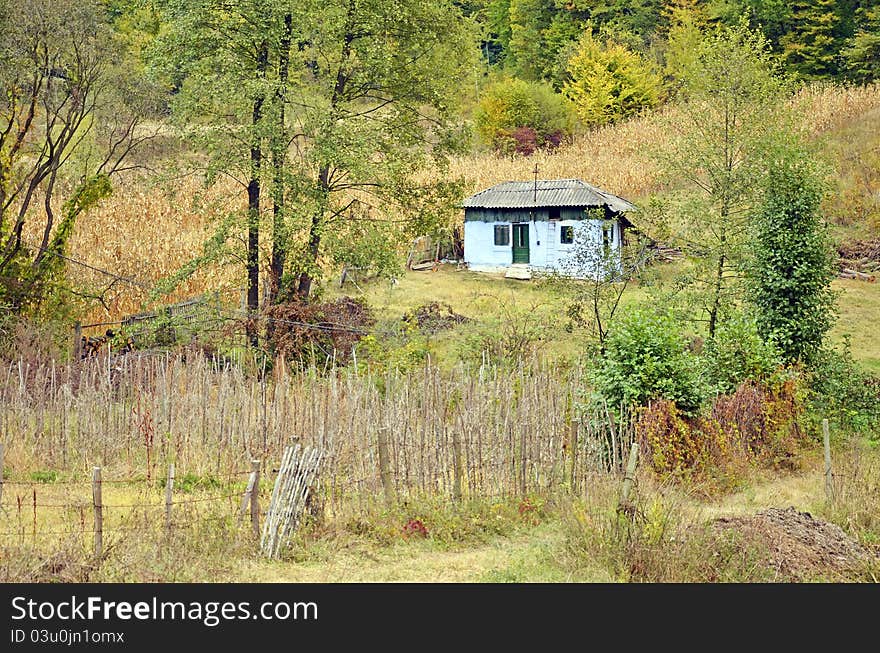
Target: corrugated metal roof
{"x": 550, "y": 192}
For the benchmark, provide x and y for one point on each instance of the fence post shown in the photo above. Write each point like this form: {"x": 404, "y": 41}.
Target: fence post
{"x": 77, "y": 341}
{"x": 829, "y": 476}
{"x": 456, "y": 465}
{"x": 2, "y": 452}
{"x": 573, "y": 443}
{"x": 99, "y": 512}
{"x": 246, "y": 499}
{"x": 384, "y": 465}
{"x": 255, "y": 498}
{"x": 169, "y": 488}
{"x": 628, "y": 480}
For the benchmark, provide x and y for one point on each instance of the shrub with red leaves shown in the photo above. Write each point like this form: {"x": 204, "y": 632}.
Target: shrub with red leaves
{"x": 526, "y": 141}
{"x": 754, "y": 424}
{"x": 554, "y": 139}
{"x": 519, "y": 140}
{"x": 415, "y": 528}
{"x": 764, "y": 421}
{"x": 526, "y": 506}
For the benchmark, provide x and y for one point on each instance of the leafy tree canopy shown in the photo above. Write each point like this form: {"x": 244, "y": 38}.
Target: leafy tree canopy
{"x": 607, "y": 82}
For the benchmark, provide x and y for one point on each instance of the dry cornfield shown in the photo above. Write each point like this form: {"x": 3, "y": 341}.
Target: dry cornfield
{"x": 613, "y": 157}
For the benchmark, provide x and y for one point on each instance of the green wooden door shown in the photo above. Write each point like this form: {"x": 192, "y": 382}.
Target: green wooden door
{"x": 521, "y": 243}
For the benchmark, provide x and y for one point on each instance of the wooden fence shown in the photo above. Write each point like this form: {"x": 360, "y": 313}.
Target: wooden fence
{"x": 483, "y": 432}
{"x": 466, "y": 434}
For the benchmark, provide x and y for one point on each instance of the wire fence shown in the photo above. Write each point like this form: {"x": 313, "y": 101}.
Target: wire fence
{"x": 34, "y": 513}
{"x": 196, "y": 317}
{"x": 31, "y": 511}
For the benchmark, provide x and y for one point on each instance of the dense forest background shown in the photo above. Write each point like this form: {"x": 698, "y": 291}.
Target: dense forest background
{"x": 814, "y": 39}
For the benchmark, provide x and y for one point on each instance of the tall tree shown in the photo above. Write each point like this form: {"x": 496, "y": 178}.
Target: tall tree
{"x": 812, "y": 43}
{"x": 685, "y": 23}
{"x": 539, "y": 35}
{"x": 863, "y": 52}
{"x": 792, "y": 262}
{"x": 336, "y": 107}
{"x": 731, "y": 102}
{"x": 771, "y": 17}
{"x": 380, "y": 108}
{"x": 216, "y": 56}
{"x": 69, "y": 117}
{"x": 529, "y": 20}
{"x": 607, "y": 82}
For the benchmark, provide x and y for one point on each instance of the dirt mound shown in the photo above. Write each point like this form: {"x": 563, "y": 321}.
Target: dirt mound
{"x": 434, "y": 317}
{"x": 801, "y": 547}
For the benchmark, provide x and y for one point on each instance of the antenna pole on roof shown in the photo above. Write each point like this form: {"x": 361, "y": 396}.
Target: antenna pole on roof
{"x": 535, "y": 200}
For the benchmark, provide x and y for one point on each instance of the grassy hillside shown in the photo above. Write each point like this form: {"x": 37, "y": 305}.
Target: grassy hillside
{"x": 491, "y": 299}
{"x": 146, "y": 232}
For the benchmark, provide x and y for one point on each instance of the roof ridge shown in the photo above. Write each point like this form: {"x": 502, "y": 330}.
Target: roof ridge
{"x": 567, "y": 191}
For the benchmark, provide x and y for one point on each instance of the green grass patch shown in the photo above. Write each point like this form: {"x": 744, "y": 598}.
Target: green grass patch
{"x": 859, "y": 305}
{"x": 492, "y": 302}
{"x": 44, "y": 476}
{"x": 190, "y": 482}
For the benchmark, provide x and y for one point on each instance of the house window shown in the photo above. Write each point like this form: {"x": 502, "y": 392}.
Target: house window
{"x": 554, "y": 213}
{"x": 608, "y": 235}
{"x": 566, "y": 234}
{"x": 502, "y": 235}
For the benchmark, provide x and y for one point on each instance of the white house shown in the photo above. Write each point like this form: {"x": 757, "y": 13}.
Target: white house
{"x": 538, "y": 225}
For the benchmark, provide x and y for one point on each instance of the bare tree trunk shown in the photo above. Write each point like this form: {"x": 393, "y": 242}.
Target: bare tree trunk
{"x": 306, "y": 278}
{"x": 279, "y": 151}
{"x": 253, "y": 190}
{"x": 716, "y": 300}
{"x": 304, "y": 288}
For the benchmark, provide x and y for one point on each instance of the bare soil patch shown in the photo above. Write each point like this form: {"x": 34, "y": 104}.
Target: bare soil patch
{"x": 801, "y": 547}
{"x": 434, "y": 317}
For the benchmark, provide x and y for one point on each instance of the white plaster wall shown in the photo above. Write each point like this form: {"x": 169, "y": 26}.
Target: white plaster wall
{"x": 545, "y": 250}
{"x": 555, "y": 253}
{"x": 479, "y": 245}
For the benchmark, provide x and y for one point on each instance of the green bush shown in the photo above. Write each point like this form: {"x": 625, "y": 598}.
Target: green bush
{"x": 512, "y": 111}
{"x": 737, "y": 353}
{"x": 646, "y": 358}
{"x": 842, "y": 392}
{"x": 190, "y": 482}
{"x": 607, "y": 82}
{"x": 402, "y": 351}
{"x": 44, "y": 476}
{"x": 793, "y": 261}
